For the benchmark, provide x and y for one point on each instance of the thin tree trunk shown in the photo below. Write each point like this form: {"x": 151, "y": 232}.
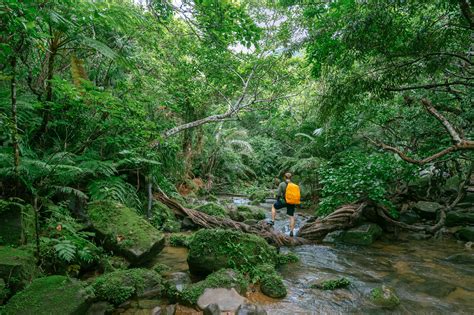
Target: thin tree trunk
{"x": 16, "y": 149}
{"x": 37, "y": 236}
{"x": 150, "y": 200}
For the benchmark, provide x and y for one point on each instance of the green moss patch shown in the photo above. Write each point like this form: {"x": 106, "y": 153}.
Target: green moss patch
{"x": 224, "y": 278}
{"x": 118, "y": 286}
{"x": 51, "y": 295}
{"x": 214, "y": 249}
{"x": 243, "y": 213}
{"x": 332, "y": 284}
{"x": 180, "y": 240}
{"x": 125, "y": 232}
{"x": 164, "y": 218}
{"x": 17, "y": 267}
{"x": 272, "y": 286}
{"x": 384, "y": 297}
{"x": 287, "y": 258}
{"x": 17, "y": 223}
{"x": 213, "y": 209}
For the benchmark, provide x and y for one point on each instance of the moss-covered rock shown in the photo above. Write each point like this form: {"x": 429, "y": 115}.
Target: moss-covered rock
{"x": 272, "y": 286}
{"x": 384, "y": 297}
{"x": 224, "y": 278}
{"x": 332, "y": 284}
{"x": 180, "y": 240}
{"x": 17, "y": 222}
{"x": 17, "y": 267}
{"x": 287, "y": 258}
{"x": 427, "y": 209}
{"x": 258, "y": 196}
{"x": 364, "y": 234}
{"x": 118, "y": 286}
{"x": 213, "y": 209}
{"x": 125, "y": 232}
{"x": 454, "y": 218}
{"x": 466, "y": 233}
{"x": 243, "y": 213}
{"x": 51, "y": 295}
{"x": 211, "y": 250}
{"x": 164, "y": 219}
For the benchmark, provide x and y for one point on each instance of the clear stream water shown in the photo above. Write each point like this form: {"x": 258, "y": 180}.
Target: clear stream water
{"x": 424, "y": 281}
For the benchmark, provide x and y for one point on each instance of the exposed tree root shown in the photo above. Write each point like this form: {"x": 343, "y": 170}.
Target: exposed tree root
{"x": 204, "y": 220}
{"x": 343, "y": 218}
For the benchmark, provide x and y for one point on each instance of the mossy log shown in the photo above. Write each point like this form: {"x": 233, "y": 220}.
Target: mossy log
{"x": 204, "y": 220}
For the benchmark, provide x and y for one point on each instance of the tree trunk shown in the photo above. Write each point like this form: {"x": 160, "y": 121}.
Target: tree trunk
{"x": 150, "y": 199}
{"x": 14, "y": 135}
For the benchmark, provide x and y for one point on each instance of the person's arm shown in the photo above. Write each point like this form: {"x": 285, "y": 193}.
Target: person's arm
{"x": 281, "y": 190}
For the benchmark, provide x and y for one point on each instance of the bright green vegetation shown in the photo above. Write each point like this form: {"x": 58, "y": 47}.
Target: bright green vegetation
{"x": 211, "y": 250}
{"x": 213, "y": 209}
{"x": 333, "y": 284}
{"x": 243, "y": 213}
{"x": 51, "y": 295}
{"x": 287, "y": 258}
{"x": 163, "y": 218}
{"x": 385, "y": 297}
{"x": 224, "y": 278}
{"x": 125, "y": 231}
{"x": 118, "y": 286}
{"x": 272, "y": 286}
{"x": 183, "y": 240}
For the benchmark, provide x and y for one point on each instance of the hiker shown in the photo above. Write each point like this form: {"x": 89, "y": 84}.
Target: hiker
{"x": 290, "y": 193}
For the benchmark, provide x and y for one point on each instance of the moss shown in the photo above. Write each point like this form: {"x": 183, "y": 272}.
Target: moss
{"x": 272, "y": 286}
{"x": 180, "y": 240}
{"x": 164, "y": 218}
{"x": 224, "y": 278}
{"x": 118, "y": 286}
{"x": 384, "y": 297}
{"x": 213, "y": 209}
{"x": 213, "y": 249}
{"x": 287, "y": 258}
{"x": 259, "y": 196}
{"x": 17, "y": 222}
{"x": 125, "y": 231}
{"x": 161, "y": 268}
{"x": 244, "y": 213}
{"x": 332, "y": 284}
{"x": 51, "y": 295}
{"x": 4, "y": 291}
{"x": 17, "y": 267}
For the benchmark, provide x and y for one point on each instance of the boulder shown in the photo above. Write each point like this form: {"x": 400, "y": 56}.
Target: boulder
{"x": 250, "y": 309}
{"x": 364, "y": 234}
{"x": 17, "y": 267}
{"x": 100, "y": 308}
{"x": 227, "y": 300}
{"x": 214, "y": 249}
{"x": 427, "y": 209}
{"x": 178, "y": 281}
{"x": 272, "y": 285}
{"x": 454, "y": 218}
{"x": 118, "y": 286}
{"x": 17, "y": 222}
{"x": 385, "y": 297}
{"x": 125, "y": 232}
{"x": 466, "y": 233}
{"x": 224, "y": 278}
{"x": 51, "y": 295}
{"x": 258, "y": 196}
{"x": 212, "y": 309}
{"x": 461, "y": 258}
{"x": 409, "y": 217}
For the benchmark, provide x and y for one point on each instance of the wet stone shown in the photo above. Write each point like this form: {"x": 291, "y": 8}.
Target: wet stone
{"x": 250, "y": 309}
{"x": 462, "y": 258}
{"x": 226, "y": 299}
{"x": 427, "y": 209}
{"x": 178, "y": 280}
{"x": 454, "y": 218}
{"x": 466, "y": 233}
{"x": 212, "y": 309}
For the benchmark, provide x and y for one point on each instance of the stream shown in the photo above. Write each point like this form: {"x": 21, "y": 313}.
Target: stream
{"x": 424, "y": 280}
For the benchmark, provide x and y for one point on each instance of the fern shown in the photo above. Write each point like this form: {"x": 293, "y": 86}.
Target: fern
{"x": 65, "y": 250}
{"x": 114, "y": 188}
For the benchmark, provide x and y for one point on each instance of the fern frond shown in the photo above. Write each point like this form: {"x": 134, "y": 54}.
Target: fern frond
{"x": 71, "y": 191}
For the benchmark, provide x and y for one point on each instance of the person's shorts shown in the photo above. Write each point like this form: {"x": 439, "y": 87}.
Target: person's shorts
{"x": 290, "y": 209}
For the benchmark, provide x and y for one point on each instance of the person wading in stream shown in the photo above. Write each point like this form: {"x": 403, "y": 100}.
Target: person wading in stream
{"x": 290, "y": 193}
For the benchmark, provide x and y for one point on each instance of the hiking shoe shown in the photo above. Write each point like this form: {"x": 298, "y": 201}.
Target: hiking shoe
{"x": 291, "y": 233}
{"x": 272, "y": 223}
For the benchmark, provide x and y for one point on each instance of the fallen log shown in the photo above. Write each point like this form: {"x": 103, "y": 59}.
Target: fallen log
{"x": 204, "y": 220}
{"x": 343, "y": 218}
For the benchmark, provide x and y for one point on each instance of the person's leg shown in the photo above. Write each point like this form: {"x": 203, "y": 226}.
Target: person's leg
{"x": 292, "y": 224}
{"x": 277, "y": 205}
{"x": 273, "y": 213}
{"x": 290, "y": 211}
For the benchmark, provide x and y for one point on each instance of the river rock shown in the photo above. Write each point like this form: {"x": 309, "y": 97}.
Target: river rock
{"x": 385, "y": 297}
{"x": 214, "y": 249}
{"x": 19, "y": 265}
{"x": 454, "y": 218}
{"x": 17, "y": 224}
{"x": 212, "y": 309}
{"x": 273, "y": 286}
{"x": 461, "y": 258}
{"x": 247, "y": 212}
{"x": 227, "y": 299}
{"x": 409, "y": 217}
{"x": 125, "y": 232}
{"x": 427, "y": 209}
{"x": 188, "y": 224}
{"x": 250, "y": 309}
{"x": 51, "y": 295}
{"x": 364, "y": 234}
{"x": 100, "y": 308}
{"x": 334, "y": 236}
{"x": 466, "y": 233}
{"x": 178, "y": 281}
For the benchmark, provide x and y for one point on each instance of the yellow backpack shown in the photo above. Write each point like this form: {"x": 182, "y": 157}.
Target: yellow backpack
{"x": 292, "y": 194}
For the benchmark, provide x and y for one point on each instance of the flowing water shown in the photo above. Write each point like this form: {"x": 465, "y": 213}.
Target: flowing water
{"x": 424, "y": 280}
